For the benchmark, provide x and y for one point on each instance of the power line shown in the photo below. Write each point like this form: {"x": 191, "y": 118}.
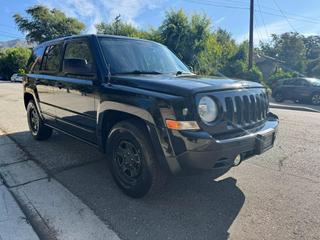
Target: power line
{"x": 262, "y": 19}
{"x": 208, "y": 3}
{"x": 291, "y": 13}
{"x": 241, "y": 7}
{"x": 275, "y": 3}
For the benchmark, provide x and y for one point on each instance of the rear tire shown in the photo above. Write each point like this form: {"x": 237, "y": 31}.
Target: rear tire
{"x": 278, "y": 97}
{"x": 37, "y": 128}
{"x": 133, "y": 164}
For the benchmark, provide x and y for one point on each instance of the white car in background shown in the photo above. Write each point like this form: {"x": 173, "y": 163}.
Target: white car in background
{"x": 16, "y": 77}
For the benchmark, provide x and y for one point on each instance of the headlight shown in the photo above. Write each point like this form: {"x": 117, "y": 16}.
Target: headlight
{"x": 207, "y": 109}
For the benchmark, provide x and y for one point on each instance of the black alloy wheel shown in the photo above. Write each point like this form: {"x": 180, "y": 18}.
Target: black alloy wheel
{"x": 133, "y": 164}
{"x": 37, "y": 128}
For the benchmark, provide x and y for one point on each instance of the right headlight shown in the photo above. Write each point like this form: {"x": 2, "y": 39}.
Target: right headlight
{"x": 207, "y": 109}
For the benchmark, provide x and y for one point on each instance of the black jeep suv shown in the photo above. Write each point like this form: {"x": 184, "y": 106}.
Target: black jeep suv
{"x": 297, "y": 89}
{"x": 139, "y": 104}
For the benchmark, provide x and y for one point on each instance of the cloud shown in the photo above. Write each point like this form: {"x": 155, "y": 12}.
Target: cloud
{"x": 95, "y": 11}
{"x": 263, "y": 33}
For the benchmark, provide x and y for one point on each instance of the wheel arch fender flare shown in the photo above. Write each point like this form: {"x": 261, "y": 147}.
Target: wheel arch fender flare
{"x": 123, "y": 112}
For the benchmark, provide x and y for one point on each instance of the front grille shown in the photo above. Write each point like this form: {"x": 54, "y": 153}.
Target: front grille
{"x": 247, "y": 109}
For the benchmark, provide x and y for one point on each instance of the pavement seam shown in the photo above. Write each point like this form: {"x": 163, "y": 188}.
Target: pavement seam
{"x": 28, "y": 182}
{"x": 3, "y": 144}
{"x": 28, "y": 154}
{"x": 9, "y": 164}
{"x": 286, "y": 173}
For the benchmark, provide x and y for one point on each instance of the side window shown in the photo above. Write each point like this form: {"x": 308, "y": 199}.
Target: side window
{"x": 35, "y": 60}
{"x": 78, "y": 59}
{"x": 51, "y": 60}
{"x": 303, "y": 82}
{"x": 300, "y": 82}
{"x": 289, "y": 82}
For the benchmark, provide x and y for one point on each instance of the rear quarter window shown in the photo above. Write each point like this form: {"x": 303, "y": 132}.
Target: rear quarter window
{"x": 35, "y": 60}
{"x": 52, "y": 57}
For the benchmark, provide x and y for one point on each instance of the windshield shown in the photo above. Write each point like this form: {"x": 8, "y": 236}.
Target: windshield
{"x": 136, "y": 56}
{"x": 314, "y": 81}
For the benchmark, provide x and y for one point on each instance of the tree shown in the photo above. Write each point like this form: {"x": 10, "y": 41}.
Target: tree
{"x": 289, "y": 48}
{"x": 228, "y": 45}
{"x": 44, "y": 24}
{"x": 312, "y": 44}
{"x": 192, "y": 40}
{"x": 237, "y": 66}
{"x": 117, "y": 27}
{"x": 174, "y": 31}
{"x": 13, "y": 60}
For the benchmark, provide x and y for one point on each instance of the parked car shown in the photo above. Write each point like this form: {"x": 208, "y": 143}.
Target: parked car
{"x": 137, "y": 102}
{"x": 2, "y": 78}
{"x": 297, "y": 89}
{"x": 16, "y": 77}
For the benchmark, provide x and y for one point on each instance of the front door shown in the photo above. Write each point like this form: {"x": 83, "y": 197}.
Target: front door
{"x": 45, "y": 79}
{"x": 302, "y": 90}
{"x": 75, "y": 91}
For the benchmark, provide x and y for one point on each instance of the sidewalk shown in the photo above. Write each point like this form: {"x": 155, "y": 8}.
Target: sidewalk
{"x": 48, "y": 210}
{"x": 13, "y": 223}
{"x": 294, "y": 106}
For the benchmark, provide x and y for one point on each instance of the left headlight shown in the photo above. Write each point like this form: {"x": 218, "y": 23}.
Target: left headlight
{"x": 207, "y": 109}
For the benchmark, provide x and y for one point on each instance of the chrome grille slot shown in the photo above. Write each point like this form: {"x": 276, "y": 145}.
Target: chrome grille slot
{"x": 244, "y": 108}
{"x": 229, "y": 111}
{"x": 239, "y": 110}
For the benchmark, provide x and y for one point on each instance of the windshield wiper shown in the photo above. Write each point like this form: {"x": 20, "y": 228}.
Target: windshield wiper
{"x": 140, "y": 72}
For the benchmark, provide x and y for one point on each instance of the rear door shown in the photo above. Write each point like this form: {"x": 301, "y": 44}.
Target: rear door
{"x": 76, "y": 90}
{"x": 286, "y": 88}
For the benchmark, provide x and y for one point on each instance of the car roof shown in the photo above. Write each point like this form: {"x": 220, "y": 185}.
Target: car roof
{"x": 57, "y": 40}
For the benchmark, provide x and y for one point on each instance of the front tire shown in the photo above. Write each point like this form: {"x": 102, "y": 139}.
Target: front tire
{"x": 133, "y": 163}
{"x": 315, "y": 99}
{"x": 37, "y": 128}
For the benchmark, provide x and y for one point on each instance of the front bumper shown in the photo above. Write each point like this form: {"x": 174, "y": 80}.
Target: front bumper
{"x": 205, "y": 152}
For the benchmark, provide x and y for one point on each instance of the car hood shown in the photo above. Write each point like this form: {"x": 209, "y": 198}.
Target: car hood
{"x": 182, "y": 85}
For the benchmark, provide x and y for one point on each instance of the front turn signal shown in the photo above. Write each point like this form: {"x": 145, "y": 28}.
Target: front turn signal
{"x": 182, "y": 125}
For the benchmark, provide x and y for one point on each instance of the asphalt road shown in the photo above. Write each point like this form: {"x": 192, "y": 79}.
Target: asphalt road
{"x": 273, "y": 196}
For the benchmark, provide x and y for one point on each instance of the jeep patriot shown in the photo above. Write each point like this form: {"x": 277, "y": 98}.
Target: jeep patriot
{"x": 139, "y": 104}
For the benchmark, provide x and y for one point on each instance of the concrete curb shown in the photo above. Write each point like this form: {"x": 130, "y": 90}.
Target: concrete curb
{"x": 296, "y": 108}
{"x": 13, "y": 222}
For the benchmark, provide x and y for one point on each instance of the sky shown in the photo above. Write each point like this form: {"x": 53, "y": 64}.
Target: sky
{"x": 271, "y": 16}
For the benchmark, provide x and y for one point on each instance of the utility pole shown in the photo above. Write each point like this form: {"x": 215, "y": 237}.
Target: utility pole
{"x": 251, "y": 34}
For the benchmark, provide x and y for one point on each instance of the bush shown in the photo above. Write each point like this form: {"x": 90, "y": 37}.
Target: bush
{"x": 280, "y": 74}
{"x": 13, "y": 60}
{"x": 239, "y": 69}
